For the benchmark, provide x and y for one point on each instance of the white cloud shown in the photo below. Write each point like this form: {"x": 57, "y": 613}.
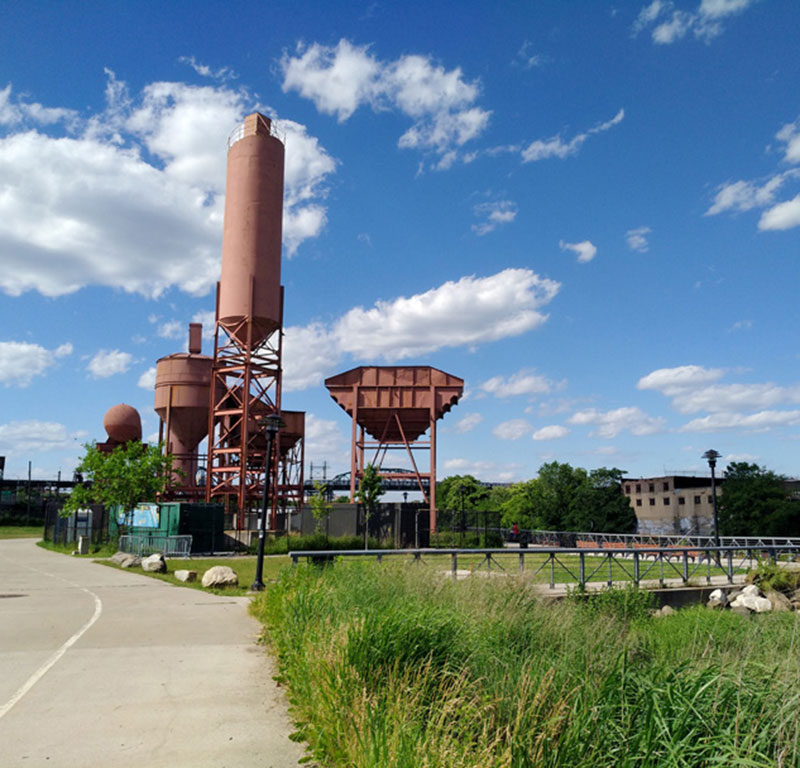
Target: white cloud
{"x": 325, "y": 441}
{"x": 524, "y": 382}
{"x": 487, "y": 471}
{"x": 223, "y": 73}
{"x": 704, "y": 22}
{"x": 493, "y": 215}
{"x": 526, "y": 59}
{"x": 761, "y": 421}
{"x": 469, "y": 311}
{"x": 21, "y": 361}
{"x": 585, "y": 250}
{"x": 789, "y": 134}
{"x": 694, "y": 388}
{"x": 148, "y": 379}
{"x": 555, "y": 146}
{"x": 109, "y": 363}
{"x": 784, "y": 215}
{"x": 611, "y": 423}
{"x": 637, "y": 239}
{"x": 467, "y": 423}
{"x": 512, "y": 430}
{"x": 744, "y": 195}
{"x": 19, "y": 113}
{"x": 172, "y": 329}
{"x": 20, "y": 436}
{"x": 341, "y": 78}
{"x": 207, "y": 318}
{"x": 552, "y": 432}
{"x": 143, "y": 178}
{"x": 310, "y": 354}
{"x": 673, "y": 381}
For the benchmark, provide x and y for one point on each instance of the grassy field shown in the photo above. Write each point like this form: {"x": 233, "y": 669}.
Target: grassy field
{"x": 480, "y": 674}
{"x": 20, "y": 531}
{"x": 245, "y": 568}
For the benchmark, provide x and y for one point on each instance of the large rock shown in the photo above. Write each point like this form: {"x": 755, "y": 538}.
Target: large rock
{"x": 778, "y": 601}
{"x": 751, "y": 590}
{"x": 752, "y": 603}
{"x": 665, "y": 611}
{"x": 183, "y": 575}
{"x": 220, "y": 576}
{"x": 155, "y": 563}
{"x": 118, "y": 557}
{"x": 131, "y": 561}
{"x": 717, "y": 599}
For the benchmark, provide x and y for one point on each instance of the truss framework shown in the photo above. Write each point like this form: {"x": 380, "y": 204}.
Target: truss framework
{"x": 245, "y": 389}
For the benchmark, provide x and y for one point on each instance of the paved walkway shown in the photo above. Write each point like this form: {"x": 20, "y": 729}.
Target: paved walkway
{"x": 99, "y": 667}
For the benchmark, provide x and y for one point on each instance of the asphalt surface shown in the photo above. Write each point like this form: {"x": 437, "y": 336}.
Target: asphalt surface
{"x": 101, "y": 667}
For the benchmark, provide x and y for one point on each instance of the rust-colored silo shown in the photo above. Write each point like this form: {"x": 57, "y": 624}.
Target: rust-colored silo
{"x": 181, "y": 401}
{"x": 251, "y": 238}
{"x": 246, "y": 372}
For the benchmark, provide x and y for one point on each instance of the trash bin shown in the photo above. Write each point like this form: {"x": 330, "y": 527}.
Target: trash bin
{"x": 523, "y": 541}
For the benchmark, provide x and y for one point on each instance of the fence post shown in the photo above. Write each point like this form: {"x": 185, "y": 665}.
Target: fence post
{"x": 380, "y": 558}
{"x": 521, "y": 562}
{"x": 610, "y": 563}
{"x": 730, "y": 566}
{"x": 685, "y": 565}
{"x": 582, "y": 568}
{"x": 661, "y": 568}
{"x": 636, "y": 568}
{"x": 454, "y": 564}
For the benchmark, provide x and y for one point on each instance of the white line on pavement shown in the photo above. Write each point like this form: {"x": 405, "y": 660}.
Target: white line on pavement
{"x": 42, "y": 671}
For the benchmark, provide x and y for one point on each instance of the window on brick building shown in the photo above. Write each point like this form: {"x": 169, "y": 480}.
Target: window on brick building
{"x": 681, "y": 500}
{"x": 652, "y": 502}
{"x": 666, "y": 501}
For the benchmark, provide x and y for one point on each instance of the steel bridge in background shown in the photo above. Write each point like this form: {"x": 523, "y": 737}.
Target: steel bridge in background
{"x": 578, "y": 567}
{"x": 406, "y": 482}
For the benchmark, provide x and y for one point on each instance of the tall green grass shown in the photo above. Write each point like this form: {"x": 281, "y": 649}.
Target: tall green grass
{"x": 398, "y": 666}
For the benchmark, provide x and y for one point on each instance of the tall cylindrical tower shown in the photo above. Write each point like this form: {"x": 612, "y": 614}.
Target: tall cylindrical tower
{"x": 250, "y": 285}
{"x": 246, "y": 380}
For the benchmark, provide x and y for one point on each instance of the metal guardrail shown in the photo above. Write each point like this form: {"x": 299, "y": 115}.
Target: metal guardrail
{"x": 147, "y": 544}
{"x": 638, "y": 540}
{"x": 660, "y": 563}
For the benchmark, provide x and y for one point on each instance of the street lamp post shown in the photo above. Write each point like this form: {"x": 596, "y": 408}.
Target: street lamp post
{"x": 711, "y": 456}
{"x": 272, "y": 425}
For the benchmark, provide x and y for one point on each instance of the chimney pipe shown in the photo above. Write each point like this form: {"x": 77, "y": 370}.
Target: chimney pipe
{"x": 195, "y": 338}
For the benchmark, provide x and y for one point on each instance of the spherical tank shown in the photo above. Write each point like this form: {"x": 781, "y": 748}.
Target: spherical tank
{"x": 251, "y": 238}
{"x": 181, "y": 399}
{"x": 123, "y": 423}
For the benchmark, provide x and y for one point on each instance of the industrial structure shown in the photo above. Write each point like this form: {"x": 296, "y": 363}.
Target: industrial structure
{"x": 395, "y": 406}
{"x": 183, "y": 383}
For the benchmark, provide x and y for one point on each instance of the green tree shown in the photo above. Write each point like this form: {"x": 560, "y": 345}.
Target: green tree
{"x": 126, "y": 476}
{"x": 518, "y": 506}
{"x": 449, "y": 493}
{"x": 754, "y": 502}
{"x": 555, "y": 495}
{"x": 320, "y": 507}
{"x": 369, "y": 491}
{"x": 600, "y": 504}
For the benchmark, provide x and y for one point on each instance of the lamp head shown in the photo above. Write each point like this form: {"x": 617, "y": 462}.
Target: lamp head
{"x": 711, "y": 457}
{"x": 273, "y": 424}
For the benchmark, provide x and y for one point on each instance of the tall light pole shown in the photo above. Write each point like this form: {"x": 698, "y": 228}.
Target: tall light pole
{"x": 711, "y": 456}
{"x": 272, "y": 425}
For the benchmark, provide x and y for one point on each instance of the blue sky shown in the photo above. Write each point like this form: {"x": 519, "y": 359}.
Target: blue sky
{"x": 589, "y": 211}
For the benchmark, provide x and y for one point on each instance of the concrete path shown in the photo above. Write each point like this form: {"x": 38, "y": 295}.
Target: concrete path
{"x": 99, "y": 667}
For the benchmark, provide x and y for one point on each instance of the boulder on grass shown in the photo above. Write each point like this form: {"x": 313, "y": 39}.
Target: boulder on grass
{"x": 751, "y": 590}
{"x": 753, "y": 603}
{"x": 183, "y": 575}
{"x": 131, "y": 561}
{"x": 665, "y": 611}
{"x": 155, "y": 563}
{"x": 118, "y": 557}
{"x": 778, "y": 600}
{"x": 220, "y": 576}
{"x": 717, "y": 599}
